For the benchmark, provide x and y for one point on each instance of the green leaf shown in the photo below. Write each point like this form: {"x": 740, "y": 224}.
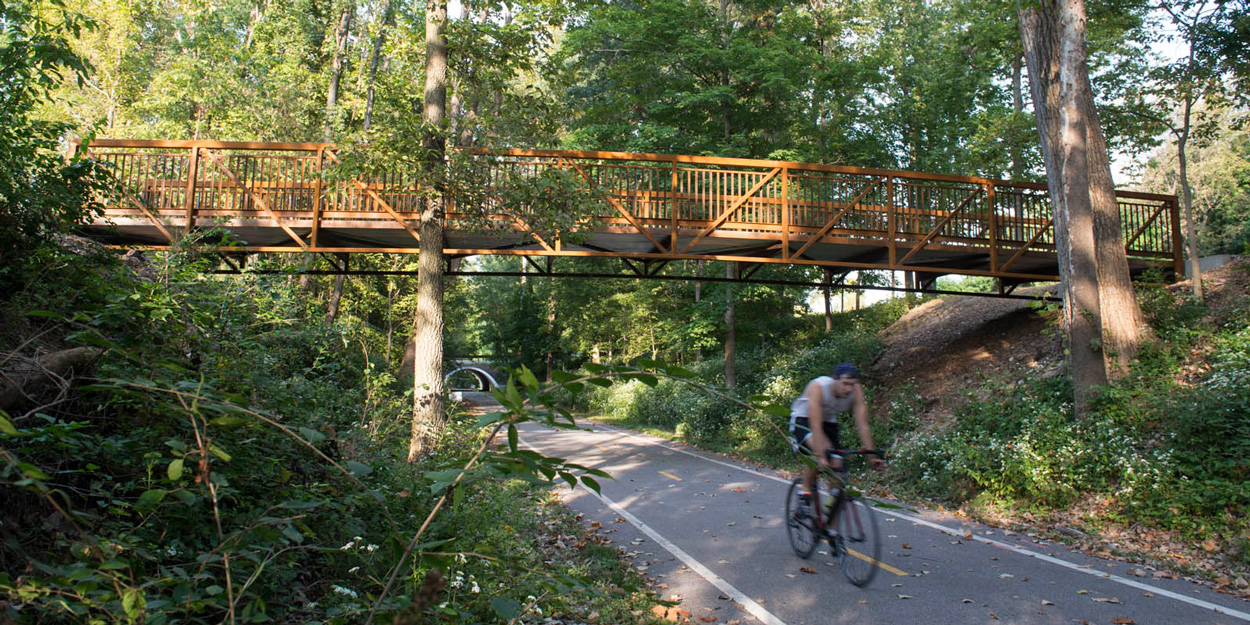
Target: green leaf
{"x": 358, "y": 469}
{"x": 591, "y": 483}
{"x": 31, "y": 471}
{"x": 563, "y": 377}
{"x": 777, "y": 410}
{"x": 175, "y": 470}
{"x": 45, "y": 314}
{"x": 228, "y": 421}
{"x": 489, "y": 418}
{"x": 596, "y": 368}
{"x": 214, "y": 590}
{"x": 113, "y": 565}
{"x": 512, "y": 437}
{"x": 219, "y": 452}
{"x": 527, "y": 378}
{"x": 133, "y": 603}
{"x": 6, "y": 426}
{"x": 680, "y": 372}
{"x": 600, "y": 382}
{"x": 311, "y": 435}
{"x": 152, "y": 497}
{"x": 649, "y": 380}
{"x": 293, "y": 534}
{"x": 505, "y": 607}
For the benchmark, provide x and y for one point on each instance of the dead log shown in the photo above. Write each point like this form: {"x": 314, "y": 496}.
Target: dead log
{"x": 23, "y": 378}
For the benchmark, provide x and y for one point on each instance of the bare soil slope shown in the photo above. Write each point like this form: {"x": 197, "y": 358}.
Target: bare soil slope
{"x": 947, "y": 346}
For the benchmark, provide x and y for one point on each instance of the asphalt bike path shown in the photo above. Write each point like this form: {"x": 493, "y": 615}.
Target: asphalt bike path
{"x": 708, "y": 533}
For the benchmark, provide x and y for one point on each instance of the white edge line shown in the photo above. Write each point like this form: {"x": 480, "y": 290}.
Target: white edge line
{"x": 719, "y": 582}
{"x": 953, "y": 532}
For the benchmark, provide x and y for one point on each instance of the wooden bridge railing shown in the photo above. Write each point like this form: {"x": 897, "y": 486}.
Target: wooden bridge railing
{"x": 678, "y": 204}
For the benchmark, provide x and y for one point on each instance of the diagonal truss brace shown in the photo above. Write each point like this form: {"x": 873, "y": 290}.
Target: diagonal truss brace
{"x": 836, "y": 218}
{"x": 724, "y": 216}
{"x": 381, "y": 202}
{"x": 257, "y": 197}
{"x": 942, "y": 224}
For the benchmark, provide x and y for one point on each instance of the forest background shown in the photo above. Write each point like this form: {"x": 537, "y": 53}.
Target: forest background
{"x": 202, "y": 393}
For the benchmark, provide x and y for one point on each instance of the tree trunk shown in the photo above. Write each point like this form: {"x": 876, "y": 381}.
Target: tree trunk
{"x": 388, "y": 14}
{"x": 1017, "y": 105}
{"x": 1051, "y": 53}
{"x": 1124, "y": 326}
{"x": 828, "y": 305}
{"x": 730, "y": 378}
{"x": 336, "y": 295}
{"x": 336, "y": 69}
{"x": 427, "y": 419}
{"x": 698, "y": 273}
{"x": 1187, "y": 199}
{"x": 1088, "y": 367}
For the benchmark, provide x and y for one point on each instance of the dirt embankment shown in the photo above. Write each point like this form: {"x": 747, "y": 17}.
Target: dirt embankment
{"x": 947, "y": 346}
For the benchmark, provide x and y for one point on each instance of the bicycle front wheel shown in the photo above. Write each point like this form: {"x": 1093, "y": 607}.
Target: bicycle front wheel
{"x": 857, "y": 543}
{"x": 800, "y": 524}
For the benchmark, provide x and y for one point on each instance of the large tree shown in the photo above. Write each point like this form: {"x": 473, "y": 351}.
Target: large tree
{"x": 1054, "y": 47}
{"x": 428, "y": 400}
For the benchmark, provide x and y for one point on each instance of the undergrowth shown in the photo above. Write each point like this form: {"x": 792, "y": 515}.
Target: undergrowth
{"x": 228, "y": 456}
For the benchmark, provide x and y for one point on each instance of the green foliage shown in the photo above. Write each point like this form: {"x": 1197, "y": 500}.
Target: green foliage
{"x": 773, "y": 377}
{"x": 234, "y": 455}
{"x": 42, "y": 194}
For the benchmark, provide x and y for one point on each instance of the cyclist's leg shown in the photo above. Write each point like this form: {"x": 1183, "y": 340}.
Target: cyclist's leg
{"x": 799, "y": 437}
{"x": 832, "y": 432}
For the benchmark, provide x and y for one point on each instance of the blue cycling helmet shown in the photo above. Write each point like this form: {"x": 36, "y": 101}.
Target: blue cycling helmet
{"x": 846, "y": 370}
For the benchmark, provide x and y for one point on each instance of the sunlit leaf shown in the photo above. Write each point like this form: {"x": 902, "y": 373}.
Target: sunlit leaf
{"x": 505, "y": 607}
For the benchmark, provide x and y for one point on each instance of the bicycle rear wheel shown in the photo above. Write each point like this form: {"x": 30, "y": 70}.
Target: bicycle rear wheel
{"x": 857, "y": 543}
{"x": 800, "y": 525}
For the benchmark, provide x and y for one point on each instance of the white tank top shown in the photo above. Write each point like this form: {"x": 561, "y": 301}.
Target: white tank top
{"x": 830, "y": 406}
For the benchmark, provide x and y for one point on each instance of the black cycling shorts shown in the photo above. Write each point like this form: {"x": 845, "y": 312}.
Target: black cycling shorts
{"x": 800, "y": 430}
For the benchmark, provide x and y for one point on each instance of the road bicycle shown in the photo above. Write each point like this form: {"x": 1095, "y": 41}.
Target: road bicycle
{"x": 845, "y": 520}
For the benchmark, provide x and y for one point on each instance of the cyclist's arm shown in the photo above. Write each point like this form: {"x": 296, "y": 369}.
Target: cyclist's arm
{"x": 859, "y": 408}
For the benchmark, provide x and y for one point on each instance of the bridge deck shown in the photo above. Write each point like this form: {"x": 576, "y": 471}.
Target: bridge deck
{"x": 272, "y": 198}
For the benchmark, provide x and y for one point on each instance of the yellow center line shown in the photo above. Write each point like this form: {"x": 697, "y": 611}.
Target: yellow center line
{"x": 876, "y": 562}
{"x": 670, "y": 475}
{"x": 600, "y": 446}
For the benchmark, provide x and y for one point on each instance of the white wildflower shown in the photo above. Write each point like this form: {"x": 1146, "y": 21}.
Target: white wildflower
{"x": 346, "y": 591}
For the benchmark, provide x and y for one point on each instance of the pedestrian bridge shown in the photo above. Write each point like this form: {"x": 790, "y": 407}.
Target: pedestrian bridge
{"x": 654, "y": 209}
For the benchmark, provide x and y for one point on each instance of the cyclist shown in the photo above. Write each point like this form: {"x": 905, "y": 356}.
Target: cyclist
{"x": 826, "y": 397}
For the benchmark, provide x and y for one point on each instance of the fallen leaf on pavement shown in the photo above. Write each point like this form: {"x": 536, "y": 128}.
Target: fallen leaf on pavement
{"x": 906, "y": 597}
{"x": 807, "y": 570}
{"x": 1147, "y": 594}
{"x": 1106, "y": 600}
{"x": 1045, "y": 602}
{"x": 1123, "y": 620}
{"x": 707, "y": 619}
{"x": 906, "y": 546}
